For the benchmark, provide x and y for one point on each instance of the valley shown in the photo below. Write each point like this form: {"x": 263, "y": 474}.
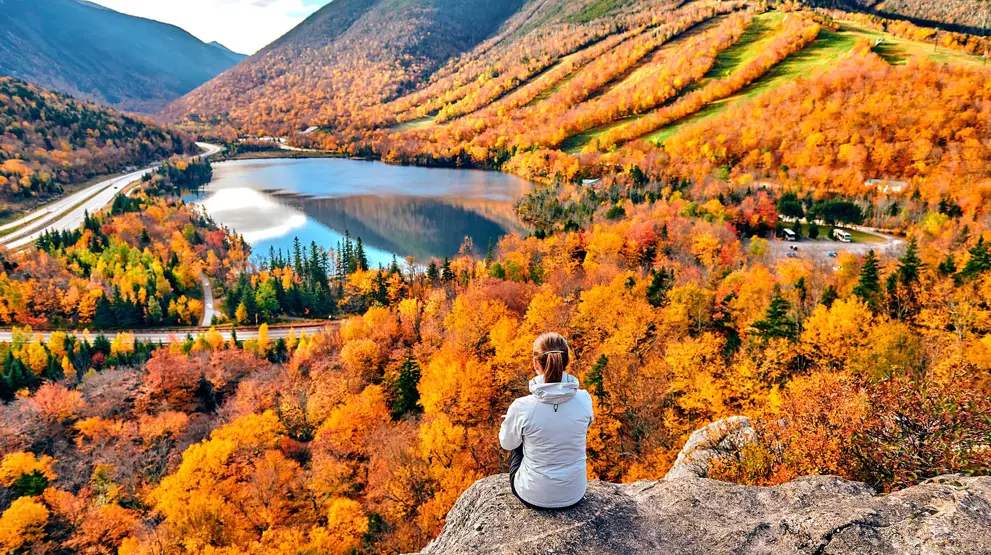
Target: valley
{"x": 292, "y": 314}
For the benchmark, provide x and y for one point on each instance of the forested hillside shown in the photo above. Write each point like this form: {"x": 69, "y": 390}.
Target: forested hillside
{"x": 48, "y": 140}
{"x": 97, "y": 54}
{"x": 350, "y": 55}
{"x": 973, "y": 15}
{"x": 739, "y": 208}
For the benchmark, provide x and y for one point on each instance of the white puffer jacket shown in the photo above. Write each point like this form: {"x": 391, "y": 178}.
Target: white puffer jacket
{"x": 551, "y": 423}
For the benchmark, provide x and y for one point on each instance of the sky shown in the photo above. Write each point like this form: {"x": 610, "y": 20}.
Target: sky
{"x": 244, "y": 26}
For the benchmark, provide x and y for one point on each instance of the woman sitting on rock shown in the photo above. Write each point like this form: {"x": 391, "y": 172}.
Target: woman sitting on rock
{"x": 546, "y": 432}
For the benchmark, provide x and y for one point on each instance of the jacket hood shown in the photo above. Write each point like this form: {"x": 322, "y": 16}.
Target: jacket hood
{"x": 554, "y": 393}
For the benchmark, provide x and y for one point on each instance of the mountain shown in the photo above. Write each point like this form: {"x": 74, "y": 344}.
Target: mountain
{"x": 227, "y": 51}
{"x": 97, "y": 54}
{"x": 50, "y": 140}
{"x": 350, "y": 54}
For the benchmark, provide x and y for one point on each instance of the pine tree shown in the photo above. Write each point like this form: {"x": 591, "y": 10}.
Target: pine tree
{"x": 903, "y": 283}
{"x": 829, "y": 296}
{"x": 297, "y": 252}
{"x": 446, "y": 273}
{"x": 910, "y": 265}
{"x": 869, "y": 286}
{"x": 250, "y": 306}
{"x": 776, "y": 323}
{"x": 980, "y": 260}
{"x": 347, "y": 255}
{"x": 948, "y": 266}
{"x": 660, "y": 283}
{"x": 405, "y": 395}
{"x": 359, "y": 254}
{"x": 489, "y": 254}
{"x": 803, "y": 289}
{"x": 593, "y": 381}
{"x": 432, "y": 272}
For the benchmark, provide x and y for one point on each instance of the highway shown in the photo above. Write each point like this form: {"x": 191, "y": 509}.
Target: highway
{"x": 68, "y": 213}
{"x": 179, "y": 335}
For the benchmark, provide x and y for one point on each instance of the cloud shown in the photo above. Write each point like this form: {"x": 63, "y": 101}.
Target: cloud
{"x": 241, "y": 25}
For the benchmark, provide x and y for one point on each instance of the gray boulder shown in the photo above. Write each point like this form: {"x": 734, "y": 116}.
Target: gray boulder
{"x": 717, "y": 440}
{"x": 820, "y": 515}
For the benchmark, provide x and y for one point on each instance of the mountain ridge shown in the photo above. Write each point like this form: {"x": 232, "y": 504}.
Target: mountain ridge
{"x": 350, "y": 53}
{"x": 97, "y": 54}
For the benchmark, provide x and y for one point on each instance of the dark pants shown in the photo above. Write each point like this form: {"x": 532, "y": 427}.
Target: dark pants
{"x": 515, "y": 460}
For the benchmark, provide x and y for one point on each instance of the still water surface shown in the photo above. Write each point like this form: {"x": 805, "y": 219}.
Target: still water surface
{"x": 396, "y": 210}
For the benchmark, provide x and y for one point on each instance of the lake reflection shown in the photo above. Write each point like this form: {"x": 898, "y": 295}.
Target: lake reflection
{"x": 401, "y": 210}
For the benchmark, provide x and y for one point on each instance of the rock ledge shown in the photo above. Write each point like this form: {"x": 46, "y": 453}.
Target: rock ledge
{"x": 819, "y": 515}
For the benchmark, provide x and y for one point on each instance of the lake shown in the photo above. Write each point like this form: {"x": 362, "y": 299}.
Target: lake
{"x": 396, "y": 210}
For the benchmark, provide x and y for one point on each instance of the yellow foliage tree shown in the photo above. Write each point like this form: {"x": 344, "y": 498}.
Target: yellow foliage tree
{"x": 347, "y": 523}
{"x": 22, "y": 524}
{"x": 22, "y": 463}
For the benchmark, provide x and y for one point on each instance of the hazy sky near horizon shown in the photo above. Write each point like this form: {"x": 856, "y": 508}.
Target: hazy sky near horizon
{"x": 244, "y": 26}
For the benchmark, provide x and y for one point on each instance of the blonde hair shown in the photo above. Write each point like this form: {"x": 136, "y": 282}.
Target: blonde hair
{"x": 550, "y": 350}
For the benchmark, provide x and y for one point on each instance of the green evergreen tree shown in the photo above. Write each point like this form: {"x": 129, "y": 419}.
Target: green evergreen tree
{"x": 250, "y": 304}
{"x": 489, "y": 254}
{"x": 433, "y": 274}
{"x": 446, "y": 273}
{"x": 910, "y": 265}
{"x": 405, "y": 392}
{"x": 980, "y": 260}
{"x": 297, "y": 257}
{"x": 802, "y": 289}
{"x": 661, "y": 283}
{"x": 29, "y": 485}
{"x": 869, "y": 286}
{"x": 948, "y": 266}
{"x": 829, "y": 296}
{"x": 593, "y": 380}
{"x": 776, "y": 323}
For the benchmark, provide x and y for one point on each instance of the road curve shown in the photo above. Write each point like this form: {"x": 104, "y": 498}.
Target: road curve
{"x": 208, "y": 303}
{"x": 177, "y": 336}
{"x": 68, "y": 213}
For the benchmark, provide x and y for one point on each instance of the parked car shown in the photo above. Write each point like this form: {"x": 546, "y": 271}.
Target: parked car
{"x": 832, "y": 254}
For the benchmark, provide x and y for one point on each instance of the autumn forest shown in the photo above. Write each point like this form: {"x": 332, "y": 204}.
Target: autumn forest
{"x": 671, "y": 148}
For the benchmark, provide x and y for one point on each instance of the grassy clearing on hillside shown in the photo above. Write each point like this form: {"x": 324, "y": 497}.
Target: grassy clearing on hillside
{"x": 754, "y": 40}
{"x": 414, "y": 124}
{"x": 635, "y": 78}
{"x": 546, "y": 75}
{"x": 820, "y": 56}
